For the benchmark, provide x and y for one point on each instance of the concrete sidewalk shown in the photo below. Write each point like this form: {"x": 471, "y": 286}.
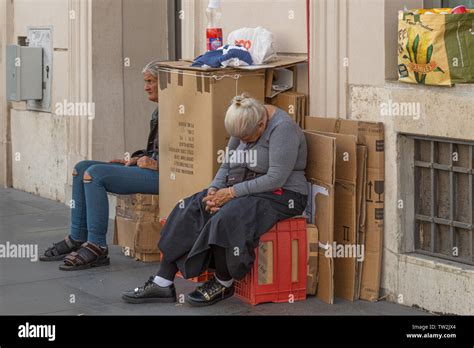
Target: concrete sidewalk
{"x": 41, "y": 288}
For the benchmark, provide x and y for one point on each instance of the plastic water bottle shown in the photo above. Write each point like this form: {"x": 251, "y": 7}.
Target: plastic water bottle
{"x": 213, "y": 32}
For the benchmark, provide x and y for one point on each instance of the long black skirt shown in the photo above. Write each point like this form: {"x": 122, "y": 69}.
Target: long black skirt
{"x": 190, "y": 230}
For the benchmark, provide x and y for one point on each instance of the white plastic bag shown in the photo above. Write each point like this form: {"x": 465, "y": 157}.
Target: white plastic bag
{"x": 258, "y": 41}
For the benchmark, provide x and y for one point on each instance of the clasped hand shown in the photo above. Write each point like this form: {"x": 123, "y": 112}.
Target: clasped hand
{"x": 215, "y": 199}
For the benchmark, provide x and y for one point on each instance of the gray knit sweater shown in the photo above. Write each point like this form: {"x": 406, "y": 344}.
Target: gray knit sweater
{"x": 280, "y": 153}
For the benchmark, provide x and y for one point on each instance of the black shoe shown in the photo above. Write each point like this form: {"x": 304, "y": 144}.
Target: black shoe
{"x": 150, "y": 292}
{"x": 209, "y": 293}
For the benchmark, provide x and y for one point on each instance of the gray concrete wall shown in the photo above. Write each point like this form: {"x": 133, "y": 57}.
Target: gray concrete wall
{"x": 408, "y": 278}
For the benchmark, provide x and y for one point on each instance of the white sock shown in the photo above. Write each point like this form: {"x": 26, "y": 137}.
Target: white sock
{"x": 160, "y": 281}
{"x": 226, "y": 283}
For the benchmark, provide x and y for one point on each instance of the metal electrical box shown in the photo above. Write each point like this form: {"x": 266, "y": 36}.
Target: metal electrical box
{"x": 43, "y": 37}
{"x": 24, "y": 73}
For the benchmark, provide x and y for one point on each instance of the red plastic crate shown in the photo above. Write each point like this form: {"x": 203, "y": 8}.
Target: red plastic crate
{"x": 204, "y": 277}
{"x": 282, "y": 288}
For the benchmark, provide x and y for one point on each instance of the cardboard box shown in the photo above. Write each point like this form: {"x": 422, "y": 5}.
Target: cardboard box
{"x": 371, "y": 135}
{"x": 294, "y": 104}
{"x": 140, "y": 237}
{"x": 144, "y": 257}
{"x": 281, "y": 77}
{"x": 193, "y": 104}
{"x": 320, "y": 173}
{"x": 138, "y": 207}
{"x": 313, "y": 251}
{"x": 287, "y": 63}
{"x": 282, "y": 70}
{"x": 137, "y": 226}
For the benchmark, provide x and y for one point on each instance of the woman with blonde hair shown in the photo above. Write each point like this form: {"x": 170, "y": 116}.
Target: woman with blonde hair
{"x": 261, "y": 183}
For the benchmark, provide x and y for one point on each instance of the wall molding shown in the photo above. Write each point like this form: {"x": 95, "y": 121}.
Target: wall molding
{"x": 328, "y": 53}
{"x": 80, "y": 79}
{"x": 188, "y": 28}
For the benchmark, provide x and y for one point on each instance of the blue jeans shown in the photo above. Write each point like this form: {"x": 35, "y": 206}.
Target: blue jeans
{"x": 90, "y": 209}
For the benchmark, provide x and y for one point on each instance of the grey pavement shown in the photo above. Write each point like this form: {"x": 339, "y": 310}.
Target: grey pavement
{"x": 40, "y": 288}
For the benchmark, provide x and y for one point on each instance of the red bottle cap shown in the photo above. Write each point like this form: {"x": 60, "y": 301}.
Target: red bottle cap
{"x": 459, "y": 10}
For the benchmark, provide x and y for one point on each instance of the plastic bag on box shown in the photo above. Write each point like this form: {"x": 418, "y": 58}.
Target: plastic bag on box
{"x": 258, "y": 41}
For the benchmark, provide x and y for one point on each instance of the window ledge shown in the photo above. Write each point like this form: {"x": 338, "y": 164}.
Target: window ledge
{"x": 436, "y": 263}
{"x": 467, "y": 88}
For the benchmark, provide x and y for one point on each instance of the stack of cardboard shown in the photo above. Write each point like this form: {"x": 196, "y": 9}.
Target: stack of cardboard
{"x": 294, "y": 104}
{"x": 351, "y": 231}
{"x": 137, "y": 226}
{"x": 320, "y": 173}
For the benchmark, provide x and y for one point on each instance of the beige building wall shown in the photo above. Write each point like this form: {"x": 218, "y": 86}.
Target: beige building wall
{"x": 409, "y": 278}
{"x": 39, "y": 139}
{"x": 6, "y": 32}
{"x": 352, "y": 56}
{"x": 352, "y": 42}
{"x": 286, "y": 19}
{"x": 353, "y": 68}
{"x": 88, "y": 66}
{"x": 107, "y": 80}
{"x": 144, "y": 39}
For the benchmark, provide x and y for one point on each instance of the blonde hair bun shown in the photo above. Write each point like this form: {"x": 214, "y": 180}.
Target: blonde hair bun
{"x": 243, "y": 115}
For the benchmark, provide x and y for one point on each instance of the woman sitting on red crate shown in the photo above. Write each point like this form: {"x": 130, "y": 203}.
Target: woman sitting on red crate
{"x": 86, "y": 246}
{"x": 260, "y": 182}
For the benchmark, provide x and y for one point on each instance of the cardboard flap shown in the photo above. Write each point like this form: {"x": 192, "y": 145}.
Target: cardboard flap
{"x": 186, "y": 65}
{"x": 343, "y": 126}
{"x": 361, "y": 190}
{"x": 361, "y": 208}
{"x": 281, "y": 61}
{"x": 312, "y": 262}
{"x": 346, "y": 156}
{"x": 320, "y": 172}
{"x": 321, "y": 164}
{"x": 147, "y": 237}
{"x": 288, "y": 102}
{"x": 370, "y": 134}
{"x": 345, "y": 226}
{"x": 325, "y": 291}
{"x": 293, "y": 103}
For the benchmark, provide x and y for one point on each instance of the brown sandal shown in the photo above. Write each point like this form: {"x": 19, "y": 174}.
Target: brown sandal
{"x": 60, "y": 250}
{"x": 88, "y": 256}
